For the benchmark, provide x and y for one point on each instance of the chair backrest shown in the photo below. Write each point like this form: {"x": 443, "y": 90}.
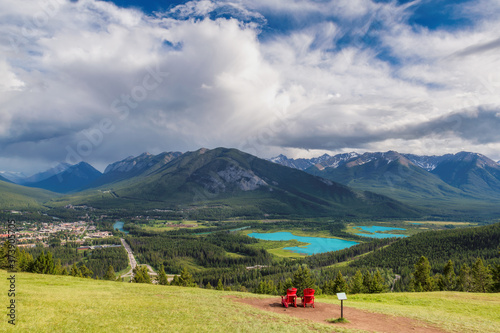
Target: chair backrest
{"x": 308, "y": 292}
{"x": 291, "y": 291}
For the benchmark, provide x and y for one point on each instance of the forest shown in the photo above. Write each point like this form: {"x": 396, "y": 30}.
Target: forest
{"x": 66, "y": 260}
{"x": 390, "y": 261}
{"x": 462, "y": 259}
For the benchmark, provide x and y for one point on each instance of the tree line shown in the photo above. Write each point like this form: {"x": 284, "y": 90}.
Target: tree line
{"x": 66, "y": 261}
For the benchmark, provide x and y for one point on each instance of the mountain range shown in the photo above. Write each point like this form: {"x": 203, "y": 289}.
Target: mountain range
{"x": 462, "y": 181}
{"x": 381, "y": 183}
{"x": 229, "y": 179}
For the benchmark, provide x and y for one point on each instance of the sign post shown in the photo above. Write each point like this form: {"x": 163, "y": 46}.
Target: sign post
{"x": 341, "y": 297}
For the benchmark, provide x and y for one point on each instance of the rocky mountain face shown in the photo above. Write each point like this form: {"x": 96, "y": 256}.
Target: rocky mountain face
{"x": 234, "y": 179}
{"x": 409, "y": 176}
{"x": 473, "y": 173}
{"x": 141, "y": 163}
{"x": 324, "y": 161}
{"x": 132, "y": 167}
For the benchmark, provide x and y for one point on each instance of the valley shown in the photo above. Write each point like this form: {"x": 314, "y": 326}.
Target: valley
{"x": 226, "y": 220}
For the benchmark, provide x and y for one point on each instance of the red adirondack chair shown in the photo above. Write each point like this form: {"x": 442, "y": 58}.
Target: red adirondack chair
{"x": 308, "y": 297}
{"x": 290, "y": 298}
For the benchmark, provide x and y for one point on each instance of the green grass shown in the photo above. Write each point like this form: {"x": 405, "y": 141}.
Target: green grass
{"x": 286, "y": 253}
{"x": 47, "y": 303}
{"x": 276, "y": 247}
{"x": 453, "y": 311}
{"x": 159, "y": 225}
{"x": 338, "y": 320}
{"x": 66, "y": 304}
{"x": 123, "y": 271}
{"x": 234, "y": 255}
{"x": 189, "y": 263}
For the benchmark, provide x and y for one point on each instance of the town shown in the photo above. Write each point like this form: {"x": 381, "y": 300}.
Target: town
{"x": 31, "y": 234}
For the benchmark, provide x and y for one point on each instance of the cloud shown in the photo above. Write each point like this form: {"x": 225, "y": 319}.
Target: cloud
{"x": 94, "y": 81}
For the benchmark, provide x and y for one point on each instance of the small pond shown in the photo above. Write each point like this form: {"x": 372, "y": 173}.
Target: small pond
{"x": 119, "y": 226}
{"x": 376, "y": 232}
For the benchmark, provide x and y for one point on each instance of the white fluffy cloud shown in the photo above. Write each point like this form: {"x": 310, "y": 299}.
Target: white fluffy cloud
{"x": 89, "y": 80}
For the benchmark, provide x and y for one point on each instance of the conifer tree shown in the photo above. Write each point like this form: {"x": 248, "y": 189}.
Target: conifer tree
{"x": 271, "y": 288}
{"x": 377, "y": 283}
{"x": 356, "y": 283}
{"x": 141, "y": 275}
{"x": 464, "y": 279}
{"x": 175, "y": 281}
{"x": 110, "y": 274}
{"x": 302, "y": 279}
{"x": 447, "y": 280}
{"x": 86, "y": 273}
{"x": 339, "y": 283}
{"x": 58, "y": 267}
{"x": 480, "y": 277}
{"x": 208, "y": 286}
{"x": 261, "y": 288}
{"x": 496, "y": 279}
{"x": 220, "y": 286}
{"x": 49, "y": 264}
{"x": 367, "y": 281}
{"x": 186, "y": 279}
{"x": 329, "y": 287}
{"x": 422, "y": 275}
{"x": 25, "y": 261}
{"x": 495, "y": 272}
{"x": 40, "y": 264}
{"x": 4, "y": 255}
{"x": 162, "y": 276}
{"x": 75, "y": 271}
{"x": 287, "y": 285}
{"x": 279, "y": 288}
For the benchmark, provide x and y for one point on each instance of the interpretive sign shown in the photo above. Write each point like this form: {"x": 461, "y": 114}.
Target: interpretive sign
{"x": 341, "y": 297}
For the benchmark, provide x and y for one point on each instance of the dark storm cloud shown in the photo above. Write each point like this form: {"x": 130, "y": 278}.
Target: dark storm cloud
{"x": 477, "y": 126}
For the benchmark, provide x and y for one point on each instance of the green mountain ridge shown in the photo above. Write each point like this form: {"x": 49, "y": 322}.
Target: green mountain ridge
{"x": 13, "y": 196}
{"x": 231, "y": 178}
{"x": 474, "y": 174}
{"x": 395, "y": 176}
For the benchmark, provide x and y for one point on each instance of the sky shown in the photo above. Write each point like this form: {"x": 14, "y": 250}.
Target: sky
{"x": 99, "y": 81}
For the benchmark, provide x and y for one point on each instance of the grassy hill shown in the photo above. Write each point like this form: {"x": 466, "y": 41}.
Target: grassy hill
{"x": 47, "y": 303}
{"x": 14, "y": 196}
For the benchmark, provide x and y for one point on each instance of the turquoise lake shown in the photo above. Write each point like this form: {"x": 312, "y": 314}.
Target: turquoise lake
{"x": 376, "y": 232}
{"x": 119, "y": 226}
{"x": 317, "y": 244}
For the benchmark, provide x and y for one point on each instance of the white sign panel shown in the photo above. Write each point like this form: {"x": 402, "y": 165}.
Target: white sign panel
{"x": 341, "y": 296}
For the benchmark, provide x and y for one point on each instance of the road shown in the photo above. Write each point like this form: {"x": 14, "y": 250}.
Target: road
{"x": 131, "y": 259}
{"x": 133, "y": 263}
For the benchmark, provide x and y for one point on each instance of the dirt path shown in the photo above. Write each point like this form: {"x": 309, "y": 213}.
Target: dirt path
{"x": 358, "y": 319}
